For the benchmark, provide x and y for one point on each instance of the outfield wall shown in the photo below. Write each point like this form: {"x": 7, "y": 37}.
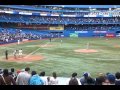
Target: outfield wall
{"x": 90, "y": 34}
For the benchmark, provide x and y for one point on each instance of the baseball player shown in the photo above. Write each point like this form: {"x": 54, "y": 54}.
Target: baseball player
{"x": 50, "y": 39}
{"x": 6, "y": 54}
{"x": 15, "y": 54}
{"x": 20, "y": 53}
{"x": 18, "y": 41}
{"x": 61, "y": 40}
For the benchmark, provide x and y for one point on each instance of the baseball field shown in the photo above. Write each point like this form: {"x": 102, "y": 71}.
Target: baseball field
{"x": 65, "y": 56}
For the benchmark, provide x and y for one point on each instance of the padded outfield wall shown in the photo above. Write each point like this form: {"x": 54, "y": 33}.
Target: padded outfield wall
{"x": 89, "y": 33}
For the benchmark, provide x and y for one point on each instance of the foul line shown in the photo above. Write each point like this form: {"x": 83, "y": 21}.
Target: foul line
{"x": 37, "y": 49}
{"x": 103, "y": 59}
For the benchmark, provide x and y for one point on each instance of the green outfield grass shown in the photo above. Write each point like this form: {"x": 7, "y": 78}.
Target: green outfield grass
{"x": 62, "y": 58}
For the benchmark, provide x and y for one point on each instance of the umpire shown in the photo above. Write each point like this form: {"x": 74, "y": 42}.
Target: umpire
{"x": 50, "y": 39}
{"x": 6, "y": 54}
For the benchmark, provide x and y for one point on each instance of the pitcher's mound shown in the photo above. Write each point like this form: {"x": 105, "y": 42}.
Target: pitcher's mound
{"x": 46, "y": 45}
{"x": 25, "y": 59}
{"x": 86, "y": 50}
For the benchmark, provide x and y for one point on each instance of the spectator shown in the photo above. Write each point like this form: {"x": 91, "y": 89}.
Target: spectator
{"x": 18, "y": 71}
{"x": 54, "y": 80}
{"x": 100, "y": 80}
{"x": 35, "y": 79}
{"x": 83, "y": 80}
{"x": 111, "y": 79}
{"x": 74, "y": 80}
{"x": 117, "y": 81}
{"x": 13, "y": 74}
{"x": 6, "y": 79}
{"x": 42, "y": 75}
{"x": 1, "y": 71}
{"x": 48, "y": 81}
{"x": 90, "y": 81}
{"x": 23, "y": 77}
{"x": 106, "y": 82}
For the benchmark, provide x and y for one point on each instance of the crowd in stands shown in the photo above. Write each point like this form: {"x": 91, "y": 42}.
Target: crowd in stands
{"x": 28, "y": 77}
{"x": 11, "y": 34}
{"x": 57, "y": 20}
{"x": 8, "y": 35}
{"x": 5, "y": 35}
{"x": 92, "y": 28}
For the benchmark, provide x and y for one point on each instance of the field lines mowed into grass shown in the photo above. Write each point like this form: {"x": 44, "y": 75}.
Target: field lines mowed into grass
{"x": 62, "y": 58}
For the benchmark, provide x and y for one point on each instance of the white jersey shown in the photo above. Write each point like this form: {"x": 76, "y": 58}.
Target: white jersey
{"x": 20, "y": 52}
{"x": 18, "y": 41}
{"x": 15, "y": 52}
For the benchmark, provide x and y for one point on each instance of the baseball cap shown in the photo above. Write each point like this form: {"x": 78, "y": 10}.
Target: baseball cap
{"x": 86, "y": 74}
{"x": 111, "y": 77}
{"x": 100, "y": 74}
{"x": 18, "y": 71}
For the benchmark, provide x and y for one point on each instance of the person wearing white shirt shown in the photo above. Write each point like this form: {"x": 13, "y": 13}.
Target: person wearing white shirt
{"x": 54, "y": 80}
{"x": 43, "y": 77}
{"x": 15, "y": 54}
{"x": 23, "y": 77}
{"x": 20, "y": 53}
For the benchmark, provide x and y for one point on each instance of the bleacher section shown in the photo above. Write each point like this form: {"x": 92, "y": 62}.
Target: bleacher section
{"x": 80, "y": 20}
{"x": 57, "y": 20}
{"x": 13, "y": 34}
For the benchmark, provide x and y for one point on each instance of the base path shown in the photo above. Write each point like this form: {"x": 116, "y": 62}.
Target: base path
{"x": 85, "y": 50}
{"x": 24, "y": 59}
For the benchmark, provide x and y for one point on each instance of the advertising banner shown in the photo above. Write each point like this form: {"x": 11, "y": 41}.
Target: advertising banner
{"x": 73, "y": 35}
{"x": 56, "y": 28}
{"x": 110, "y": 35}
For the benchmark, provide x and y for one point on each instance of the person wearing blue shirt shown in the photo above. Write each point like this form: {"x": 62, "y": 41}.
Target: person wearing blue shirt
{"x": 35, "y": 79}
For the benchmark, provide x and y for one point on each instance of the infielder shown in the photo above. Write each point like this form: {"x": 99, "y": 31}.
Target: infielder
{"x": 15, "y": 54}
{"x": 20, "y": 53}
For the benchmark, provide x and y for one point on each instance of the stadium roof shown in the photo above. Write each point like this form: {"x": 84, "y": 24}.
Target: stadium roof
{"x": 33, "y": 7}
{"x": 72, "y": 6}
{"x": 88, "y": 6}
